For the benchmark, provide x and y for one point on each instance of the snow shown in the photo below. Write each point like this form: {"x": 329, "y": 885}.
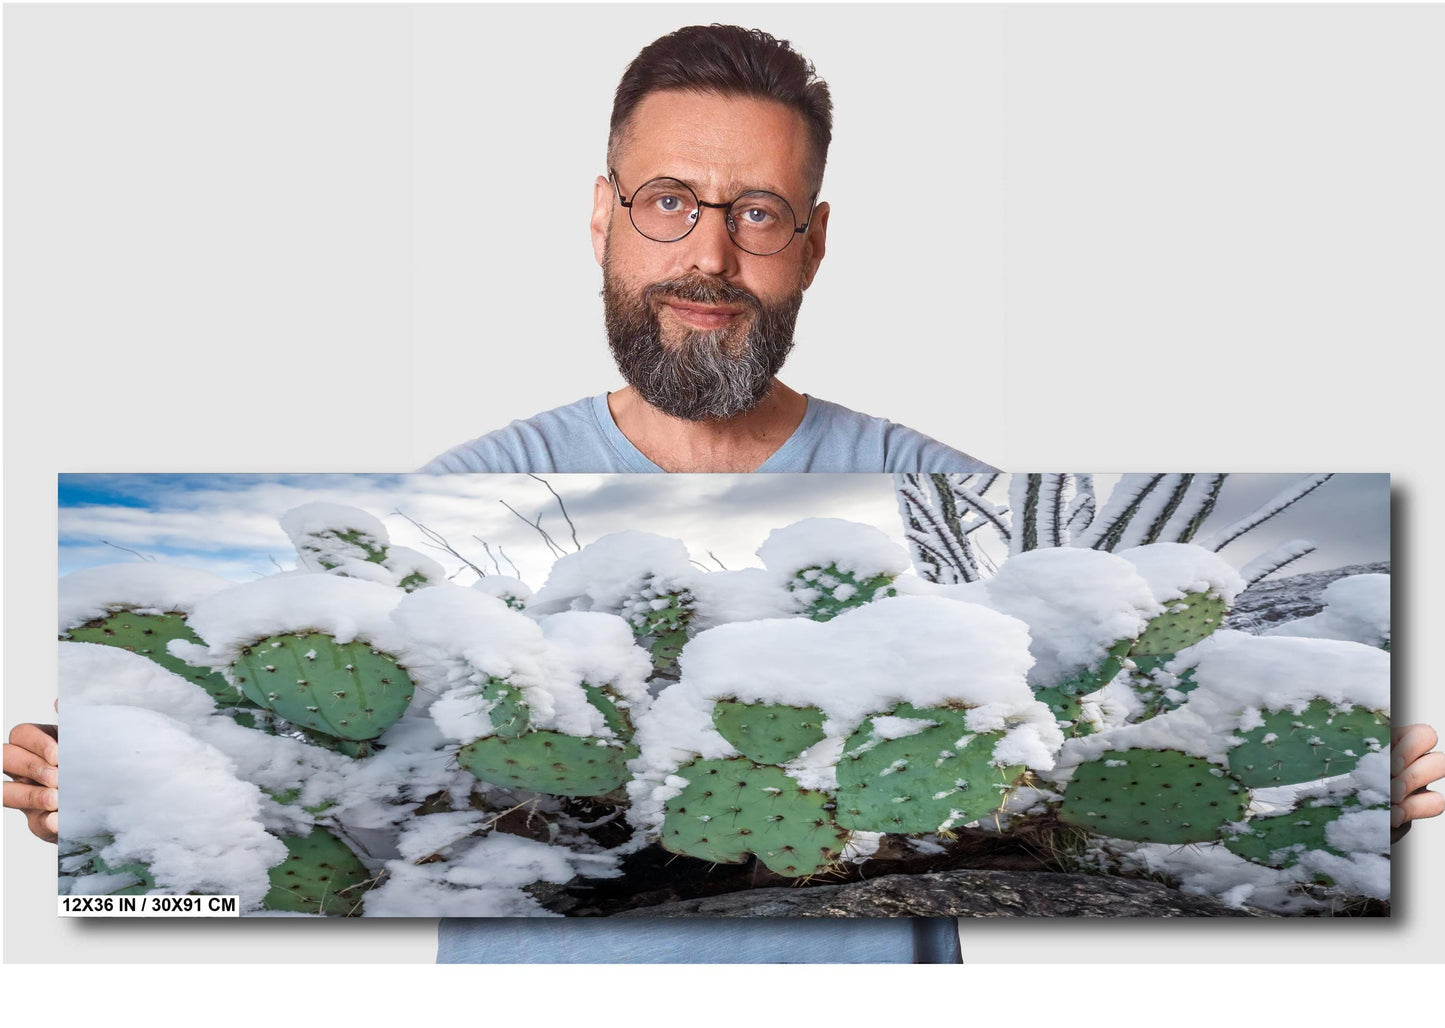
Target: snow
{"x": 609, "y": 574}
{"x": 95, "y": 675}
{"x": 1357, "y": 609}
{"x": 344, "y": 608}
{"x": 145, "y": 587}
{"x": 1077, "y": 604}
{"x": 1173, "y": 570}
{"x": 315, "y": 530}
{"x": 502, "y": 587}
{"x": 859, "y": 549}
{"x": 168, "y": 800}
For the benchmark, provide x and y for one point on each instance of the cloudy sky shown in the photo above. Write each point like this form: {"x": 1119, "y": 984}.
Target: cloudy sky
{"x": 228, "y": 523}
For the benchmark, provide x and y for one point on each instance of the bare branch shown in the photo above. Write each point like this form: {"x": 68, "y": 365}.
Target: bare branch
{"x": 561, "y": 507}
{"x": 551, "y": 543}
{"x": 720, "y": 564}
{"x": 438, "y": 542}
{"x": 127, "y": 549}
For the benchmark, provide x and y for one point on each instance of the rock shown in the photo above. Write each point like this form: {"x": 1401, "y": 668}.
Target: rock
{"x": 1270, "y": 603}
{"x": 958, "y": 894}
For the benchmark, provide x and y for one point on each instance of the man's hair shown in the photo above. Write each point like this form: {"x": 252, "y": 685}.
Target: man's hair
{"x": 730, "y": 61}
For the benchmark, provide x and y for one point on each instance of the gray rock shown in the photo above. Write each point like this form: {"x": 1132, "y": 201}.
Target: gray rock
{"x": 958, "y": 894}
{"x": 1270, "y": 603}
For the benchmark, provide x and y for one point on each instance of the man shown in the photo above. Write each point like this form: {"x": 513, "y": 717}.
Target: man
{"x": 708, "y": 229}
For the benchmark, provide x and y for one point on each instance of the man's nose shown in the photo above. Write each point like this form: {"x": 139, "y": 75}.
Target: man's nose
{"x": 710, "y": 248}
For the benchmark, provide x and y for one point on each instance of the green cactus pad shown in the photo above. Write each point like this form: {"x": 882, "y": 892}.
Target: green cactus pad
{"x": 550, "y": 762}
{"x": 1278, "y": 841}
{"x": 614, "y": 716}
{"x": 733, "y": 807}
{"x": 1153, "y": 796}
{"x": 664, "y": 628}
{"x": 1321, "y": 741}
{"x": 320, "y": 875}
{"x": 511, "y": 717}
{"x": 1068, "y": 711}
{"x": 1186, "y": 622}
{"x": 934, "y": 780}
{"x": 346, "y": 690}
{"x": 769, "y": 733}
{"x": 148, "y": 634}
{"x": 828, "y": 582}
{"x": 87, "y": 855}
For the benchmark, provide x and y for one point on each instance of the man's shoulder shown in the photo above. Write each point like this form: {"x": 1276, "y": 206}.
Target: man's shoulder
{"x": 837, "y": 438}
{"x": 546, "y": 442}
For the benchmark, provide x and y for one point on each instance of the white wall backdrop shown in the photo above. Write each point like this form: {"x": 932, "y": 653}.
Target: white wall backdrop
{"x": 344, "y": 238}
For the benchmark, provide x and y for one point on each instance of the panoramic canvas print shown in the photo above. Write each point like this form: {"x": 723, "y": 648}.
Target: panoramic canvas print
{"x": 728, "y": 695}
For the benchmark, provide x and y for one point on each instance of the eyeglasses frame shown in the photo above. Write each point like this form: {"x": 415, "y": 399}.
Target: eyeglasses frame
{"x": 797, "y": 229}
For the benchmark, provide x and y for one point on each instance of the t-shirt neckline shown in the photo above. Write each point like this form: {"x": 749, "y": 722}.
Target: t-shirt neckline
{"x": 636, "y": 460}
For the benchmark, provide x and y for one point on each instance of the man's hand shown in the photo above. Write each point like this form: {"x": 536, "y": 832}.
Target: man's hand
{"x": 1412, "y": 768}
{"x": 32, "y": 759}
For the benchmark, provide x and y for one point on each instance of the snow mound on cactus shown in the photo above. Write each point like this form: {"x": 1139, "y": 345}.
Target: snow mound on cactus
{"x": 173, "y": 804}
{"x": 503, "y": 587}
{"x": 1174, "y": 570}
{"x": 1357, "y": 609}
{"x": 460, "y": 638}
{"x": 860, "y": 550}
{"x": 1240, "y": 677}
{"x": 746, "y": 594}
{"x": 1077, "y": 603}
{"x": 147, "y": 588}
{"x": 328, "y": 535}
{"x": 600, "y": 649}
{"x": 344, "y": 608}
{"x": 926, "y": 651}
{"x": 95, "y": 675}
{"x": 608, "y": 574}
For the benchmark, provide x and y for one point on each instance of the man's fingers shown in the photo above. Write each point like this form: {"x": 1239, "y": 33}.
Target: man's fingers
{"x": 26, "y": 764}
{"x": 1421, "y": 804}
{"x": 43, "y": 825}
{"x": 1422, "y": 773}
{"x": 22, "y": 796}
{"x": 41, "y": 741}
{"x": 1408, "y": 744}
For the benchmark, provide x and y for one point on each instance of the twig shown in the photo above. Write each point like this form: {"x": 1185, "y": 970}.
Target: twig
{"x": 551, "y": 544}
{"x": 438, "y": 542}
{"x": 127, "y": 549}
{"x": 561, "y": 507}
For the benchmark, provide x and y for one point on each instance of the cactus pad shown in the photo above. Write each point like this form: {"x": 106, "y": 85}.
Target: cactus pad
{"x": 1153, "y": 796}
{"x": 1068, "y": 711}
{"x": 733, "y": 807}
{"x": 346, "y": 690}
{"x": 663, "y": 618}
{"x": 933, "y": 780}
{"x": 770, "y": 733}
{"x": 1186, "y": 622}
{"x": 550, "y": 762}
{"x": 1278, "y": 841}
{"x": 1321, "y": 741}
{"x": 320, "y": 875}
{"x": 147, "y": 635}
{"x": 511, "y": 718}
{"x": 828, "y": 592}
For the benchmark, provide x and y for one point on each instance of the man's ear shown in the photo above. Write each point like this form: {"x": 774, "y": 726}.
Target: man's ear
{"x": 816, "y": 242}
{"x": 602, "y": 204}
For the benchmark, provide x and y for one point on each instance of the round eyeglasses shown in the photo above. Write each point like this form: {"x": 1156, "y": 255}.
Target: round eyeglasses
{"x": 666, "y": 210}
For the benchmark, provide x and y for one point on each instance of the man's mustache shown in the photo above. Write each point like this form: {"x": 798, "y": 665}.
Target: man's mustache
{"x": 700, "y": 289}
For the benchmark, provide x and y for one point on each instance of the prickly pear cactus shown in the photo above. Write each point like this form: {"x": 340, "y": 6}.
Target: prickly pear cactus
{"x": 348, "y": 691}
{"x": 915, "y": 771}
{"x": 147, "y": 635}
{"x": 1153, "y": 796}
{"x": 82, "y": 859}
{"x": 1320, "y": 741}
{"x": 1278, "y": 841}
{"x": 770, "y": 733}
{"x": 733, "y": 807}
{"x": 516, "y": 756}
{"x": 826, "y": 592}
{"x": 661, "y": 620}
{"x": 320, "y": 875}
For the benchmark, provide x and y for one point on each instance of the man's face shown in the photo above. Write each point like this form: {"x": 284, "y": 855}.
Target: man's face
{"x": 698, "y": 326}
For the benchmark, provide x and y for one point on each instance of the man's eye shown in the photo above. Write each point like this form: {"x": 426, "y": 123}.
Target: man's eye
{"x": 756, "y": 216}
{"x": 669, "y": 204}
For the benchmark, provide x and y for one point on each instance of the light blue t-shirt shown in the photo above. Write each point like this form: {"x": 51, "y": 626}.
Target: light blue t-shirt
{"x": 582, "y": 437}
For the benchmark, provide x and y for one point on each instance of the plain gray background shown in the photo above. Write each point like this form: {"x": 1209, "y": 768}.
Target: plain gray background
{"x": 345, "y": 238}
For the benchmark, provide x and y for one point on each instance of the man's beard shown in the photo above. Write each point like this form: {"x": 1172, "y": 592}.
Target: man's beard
{"x": 701, "y": 378}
